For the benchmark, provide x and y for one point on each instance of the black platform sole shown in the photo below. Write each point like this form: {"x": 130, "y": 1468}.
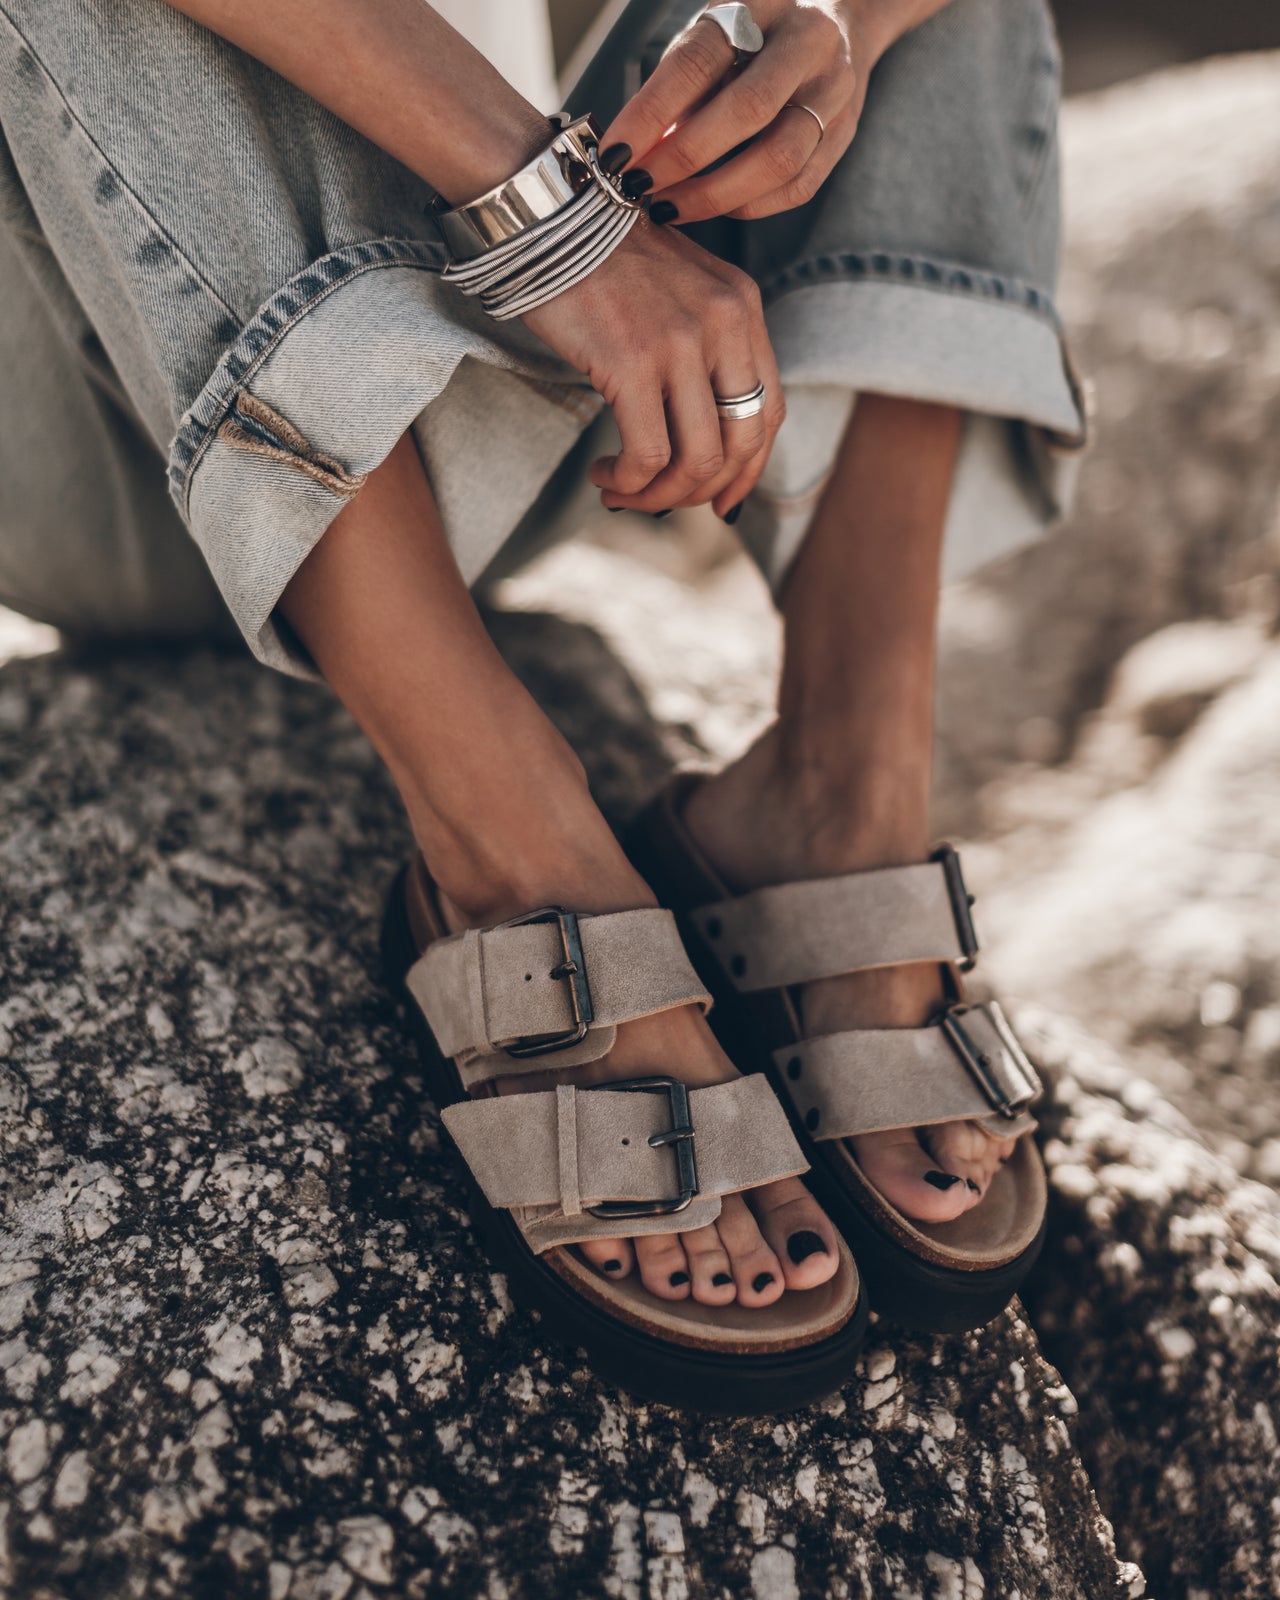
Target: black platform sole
{"x": 904, "y": 1288}
{"x": 646, "y": 1367}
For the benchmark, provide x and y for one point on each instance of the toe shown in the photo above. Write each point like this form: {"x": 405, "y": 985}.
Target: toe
{"x": 664, "y": 1267}
{"x": 911, "y": 1178}
{"x": 709, "y": 1266}
{"x": 796, "y": 1229}
{"x": 965, "y": 1149}
{"x": 611, "y": 1257}
{"x": 757, "y": 1272}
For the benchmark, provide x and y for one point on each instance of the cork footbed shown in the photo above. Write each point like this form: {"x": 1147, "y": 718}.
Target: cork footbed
{"x": 799, "y": 1318}
{"x": 1008, "y": 1218}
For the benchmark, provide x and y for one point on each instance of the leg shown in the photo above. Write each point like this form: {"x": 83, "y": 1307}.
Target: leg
{"x": 841, "y": 780}
{"x": 501, "y": 810}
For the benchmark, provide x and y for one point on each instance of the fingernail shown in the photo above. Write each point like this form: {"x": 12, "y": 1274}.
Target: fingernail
{"x": 733, "y": 513}
{"x": 762, "y": 1280}
{"x": 615, "y": 158}
{"x": 613, "y": 1266}
{"x": 658, "y": 515}
{"x": 720, "y": 1279}
{"x": 800, "y": 1246}
{"x": 975, "y": 1187}
{"x": 677, "y": 1279}
{"x": 942, "y": 1180}
{"x": 635, "y": 183}
{"x": 662, "y": 211}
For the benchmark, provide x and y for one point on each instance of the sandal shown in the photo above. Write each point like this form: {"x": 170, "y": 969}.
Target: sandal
{"x": 751, "y": 950}
{"x": 552, "y": 1168}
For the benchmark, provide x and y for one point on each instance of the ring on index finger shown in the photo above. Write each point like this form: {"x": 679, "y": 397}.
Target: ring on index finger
{"x": 739, "y": 27}
{"x": 738, "y": 407}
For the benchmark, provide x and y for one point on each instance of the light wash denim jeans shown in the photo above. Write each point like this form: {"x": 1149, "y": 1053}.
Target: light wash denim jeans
{"x": 200, "y": 265}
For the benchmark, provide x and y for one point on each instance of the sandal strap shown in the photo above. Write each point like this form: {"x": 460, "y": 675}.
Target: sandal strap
{"x": 798, "y": 932}
{"x": 646, "y": 1155}
{"x": 548, "y": 990}
{"x": 968, "y": 1066}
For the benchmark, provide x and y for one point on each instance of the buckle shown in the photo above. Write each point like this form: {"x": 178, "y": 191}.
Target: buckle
{"x": 574, "y": 968}
{"x": 1009, "y": 1093}
{"x": 948, "y": 858}
{"x": 679, "y": 1137}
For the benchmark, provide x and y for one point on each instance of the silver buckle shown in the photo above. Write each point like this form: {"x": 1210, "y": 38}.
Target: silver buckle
{"x": 1009, "y": 1083}
{"x": 948, "y": 858}
{"x": 679, "y": 1137}
{"x": 573, "y": 966}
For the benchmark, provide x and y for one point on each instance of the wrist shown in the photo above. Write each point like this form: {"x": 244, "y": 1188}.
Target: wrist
{"x": 486, "y": 156}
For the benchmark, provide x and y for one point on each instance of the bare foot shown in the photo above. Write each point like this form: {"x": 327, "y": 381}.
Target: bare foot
{"x": 757, "y": 828}
{"x": 768, "y": 1240}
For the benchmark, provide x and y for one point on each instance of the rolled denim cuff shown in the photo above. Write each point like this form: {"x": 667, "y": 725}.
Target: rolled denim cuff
{"x": 926, "y": 331}
{"x": 315, "y": 391}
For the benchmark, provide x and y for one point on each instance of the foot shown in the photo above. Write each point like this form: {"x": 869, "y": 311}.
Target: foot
{"x": 764, "y": 1242}
{"x": 759, "y": 824}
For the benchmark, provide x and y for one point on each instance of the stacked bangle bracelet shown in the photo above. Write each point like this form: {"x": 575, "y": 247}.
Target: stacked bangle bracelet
{"x": 545, "y": 229}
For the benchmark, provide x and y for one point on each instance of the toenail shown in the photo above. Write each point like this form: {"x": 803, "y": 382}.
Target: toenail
{"x": 677, "y": 1279}
{"x": 942, "y": 1180}
{"x": 613, "y": 1266}
{"x": 720, "y": 1279}
{"x": 975, "y": 1187}
{"x": 800, "y": 1246}
{"x": 762, "y": 1280}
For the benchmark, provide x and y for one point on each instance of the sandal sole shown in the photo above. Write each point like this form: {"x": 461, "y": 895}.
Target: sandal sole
{"x": 647, "y": 1368}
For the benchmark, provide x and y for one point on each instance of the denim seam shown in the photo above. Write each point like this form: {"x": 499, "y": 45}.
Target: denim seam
{"x": 238, "y": 364}
{"x": 883, "y": 266}
{"x": 124, "y": 183}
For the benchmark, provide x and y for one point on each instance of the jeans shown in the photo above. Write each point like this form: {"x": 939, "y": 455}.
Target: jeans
{"x": 203, "y": 269}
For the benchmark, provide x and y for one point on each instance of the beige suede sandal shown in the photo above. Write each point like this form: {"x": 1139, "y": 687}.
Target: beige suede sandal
{"x": 753, "y": 950}
{"x": 552, "y": 1168}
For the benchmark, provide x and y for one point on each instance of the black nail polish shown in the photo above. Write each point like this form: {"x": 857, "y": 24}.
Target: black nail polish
{"x": 615, "y": 158}
{"x": 635, "y": 183}
{"x": 941, "y": 1180}
{"x": 733, "y": 513}
{"x": 678, "y": 1279}
{"x": 720, "y": 1279}
{"x": 612, "y": 509}
{"x": 662, "y": 211}
{"x": 800, "y": 1246}
{"x": 658, "y": 515}
{"x": 762, "y": 1280}
{"x": 613, "y": 1266}
{"x": 975, "y": 1187}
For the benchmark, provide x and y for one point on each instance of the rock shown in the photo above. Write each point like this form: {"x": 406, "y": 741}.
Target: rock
{"x": 1150, "y": 908}
{"x": 287, "y": 1355}
{"x": 1170, "y": 287}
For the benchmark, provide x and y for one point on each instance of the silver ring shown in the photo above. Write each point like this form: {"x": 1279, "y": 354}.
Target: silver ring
{"x": 738, "y": 407}
{"x": 739, "y": 27}
{"x": 797, "y": 105}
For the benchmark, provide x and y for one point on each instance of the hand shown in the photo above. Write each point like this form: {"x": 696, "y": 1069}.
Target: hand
{"x": 660, "y": 328}
{"x": 817, "y": 52}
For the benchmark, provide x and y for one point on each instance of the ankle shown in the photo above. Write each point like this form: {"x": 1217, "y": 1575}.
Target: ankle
{"x": 524, "y": 833}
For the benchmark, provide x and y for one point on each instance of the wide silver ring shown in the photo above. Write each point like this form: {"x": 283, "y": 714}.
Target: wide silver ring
{"x": 739, "y": 27}
{"x": 799, "y": 105}
{"x": 738, "y": 407}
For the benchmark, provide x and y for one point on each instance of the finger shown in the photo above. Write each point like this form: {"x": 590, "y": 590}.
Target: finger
{"x": 697, "y": 456}
{"x": 729, "y": 496}
{"x": 690, "y": 70}
{"x": 740, "y": 110}
{"x": 769, "y": 163}
{"x": 640, "y": 415}
{"x": 801, "y": 188}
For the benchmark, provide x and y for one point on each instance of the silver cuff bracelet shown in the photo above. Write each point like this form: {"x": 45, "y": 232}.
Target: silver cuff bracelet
{"x": 541, "y": 188}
